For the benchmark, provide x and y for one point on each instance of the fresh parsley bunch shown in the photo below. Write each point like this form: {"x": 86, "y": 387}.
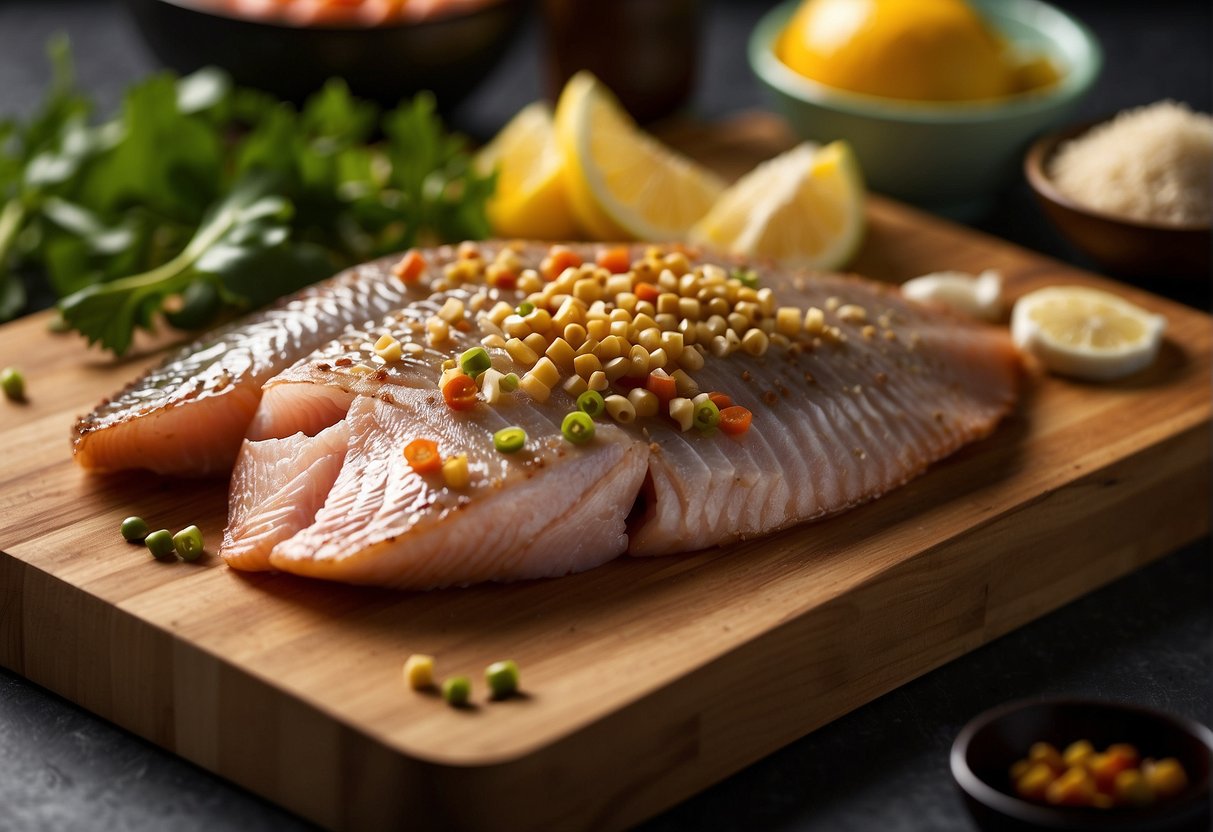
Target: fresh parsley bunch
{"x": 200, "y": 198}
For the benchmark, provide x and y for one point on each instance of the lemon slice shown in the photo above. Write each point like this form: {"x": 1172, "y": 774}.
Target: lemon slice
{"x": 622, "y": 182}
{"x": 804, "y": 207}
{"x": 1086, "y": 333}
{"x": 530, "y": 200}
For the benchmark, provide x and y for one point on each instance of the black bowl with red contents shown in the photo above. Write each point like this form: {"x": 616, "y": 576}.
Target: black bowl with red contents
{"x": 990, "y": 744}
{"x": 447, "y": 54}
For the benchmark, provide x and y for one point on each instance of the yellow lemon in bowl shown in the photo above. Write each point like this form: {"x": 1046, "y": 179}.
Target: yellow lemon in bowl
{"x": 920, "y": 50}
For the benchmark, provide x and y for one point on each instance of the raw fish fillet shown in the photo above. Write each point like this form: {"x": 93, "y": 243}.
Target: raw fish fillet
{"x": 188, "y": 415}
{"x": 837, "y": 421}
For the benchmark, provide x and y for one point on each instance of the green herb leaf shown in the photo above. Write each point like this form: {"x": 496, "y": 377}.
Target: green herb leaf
{"x": 205, "y": 90}
{"x": 63, "y": 105}
{"x": 200, "y": 305}
{"x": 101, "y": 239}
{"x": 78, "y": 248}
{"x": 20, "y": 144}
{"x": 224, "y": 197}
{"x": 336, "y": 115}
{"x": 166, "y": 161}
{"x": 267, "y": 274}
{"x": 437, "y": 186}
{"x": 247, "y": 221}
{"x": 12, "y": 296}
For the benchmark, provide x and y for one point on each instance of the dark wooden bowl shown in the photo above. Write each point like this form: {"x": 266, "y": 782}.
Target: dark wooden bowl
{"x": 984, "y": 751}
{"x": 448, "y": 56}
{"x": 1132, "y": 248}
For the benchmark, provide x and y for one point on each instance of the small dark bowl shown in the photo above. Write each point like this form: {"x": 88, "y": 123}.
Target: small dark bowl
{"x": 1127, "y": 247}
{"x": 448, "y": 55}
{"x": 984, "y": 751}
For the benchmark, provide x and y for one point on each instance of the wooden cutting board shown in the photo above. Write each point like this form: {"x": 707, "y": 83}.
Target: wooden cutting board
{"x": 645, "y": 680}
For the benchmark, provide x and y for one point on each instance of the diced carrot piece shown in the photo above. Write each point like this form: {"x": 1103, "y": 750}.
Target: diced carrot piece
{"x": 559, "y": 258}
{"x": 411, "y": 266}
{"x": 460, "y": 393}
{"x": 647, "y": 292}
{"x": 735, "y": 420}
{"x": 662, "y": 386}
{"x": 503, "y": 280}
{"x": 422, "y": 456}
{"x": 615, "y": 259}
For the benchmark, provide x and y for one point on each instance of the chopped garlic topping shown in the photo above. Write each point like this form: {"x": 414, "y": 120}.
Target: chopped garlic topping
{"x": 980, "y": 296}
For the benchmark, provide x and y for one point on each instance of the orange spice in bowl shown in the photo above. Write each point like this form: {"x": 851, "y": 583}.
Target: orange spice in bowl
{"x": 1082, "y": 776}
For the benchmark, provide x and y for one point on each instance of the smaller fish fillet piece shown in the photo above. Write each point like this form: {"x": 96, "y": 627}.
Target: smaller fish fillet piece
{"x": 188, "y": 415}
{"x": 284, "y": 483}
{"x": 188, "y": 430}
{"x": 549, "y": 510}
{"x": 314, "y": 393}
{"x": 308, "y": 409}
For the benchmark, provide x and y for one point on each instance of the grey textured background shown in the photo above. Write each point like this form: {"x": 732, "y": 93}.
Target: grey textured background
{"x": 1143, "y": 639}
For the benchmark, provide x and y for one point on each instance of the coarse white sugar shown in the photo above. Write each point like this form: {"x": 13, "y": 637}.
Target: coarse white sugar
{"x": 1152, "y": 163}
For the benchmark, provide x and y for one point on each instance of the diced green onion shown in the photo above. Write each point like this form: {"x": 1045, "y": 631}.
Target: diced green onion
{"x": 577, "y": 427}
{"x": 502, "y": 679}
{"x": 748, "y": 277}
{"x": 457, "y": 690}
{"x": 13, "y": 383}
{"x": 509, "y": 440}
{"x": 188, "y": 543}
{"x": 134, "y": 529}
{"x": 160, "y": 544}
{"x": 707, "y": 415}
{"x": 591, "y": 403}
{"x": 525, "y": 308}
{"x": 509, "y": 382}
{"x": 475, "y": 361}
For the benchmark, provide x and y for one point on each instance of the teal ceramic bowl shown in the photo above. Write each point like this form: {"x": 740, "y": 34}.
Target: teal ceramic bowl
{"x": 951, "y": 158}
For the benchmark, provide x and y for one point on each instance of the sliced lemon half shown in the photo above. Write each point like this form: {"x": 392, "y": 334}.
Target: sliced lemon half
{"x": 530, "y": 200}
{"x": 622, "y": 182}
{"x": 805, "y": 207}
{"x": 1086, "y": 333}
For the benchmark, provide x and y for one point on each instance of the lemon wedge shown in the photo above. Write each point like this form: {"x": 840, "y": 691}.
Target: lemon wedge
{"x": 804, "y": 207}
{"x": 530, "y": 200}
{"x": 1086, "y": 333}
{"x": 622, "y": 182}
